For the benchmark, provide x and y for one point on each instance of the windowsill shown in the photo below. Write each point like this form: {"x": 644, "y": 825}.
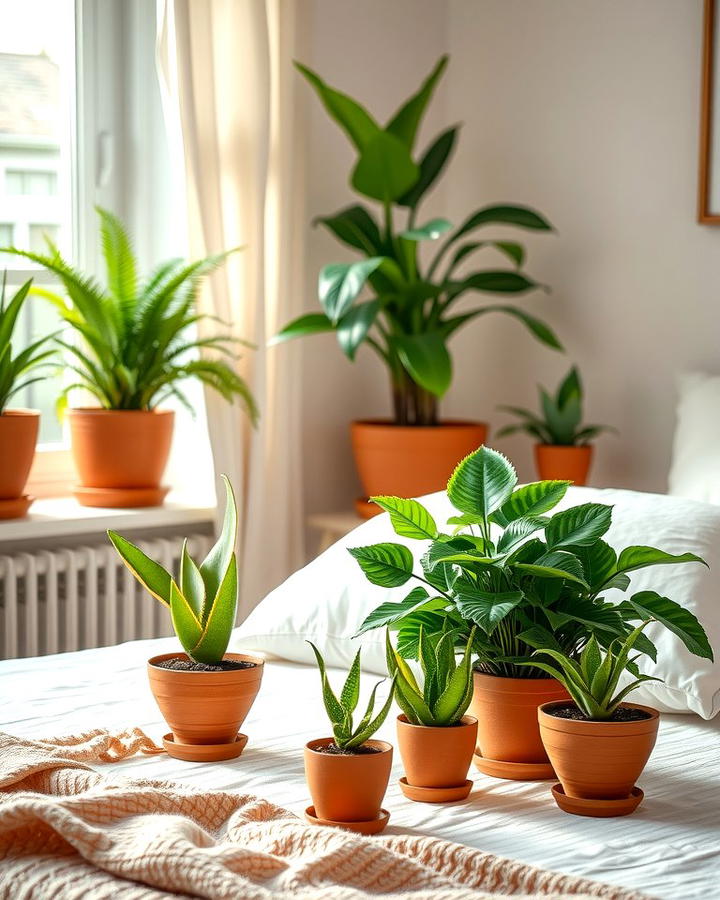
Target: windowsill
{"x": 62, "y": 516}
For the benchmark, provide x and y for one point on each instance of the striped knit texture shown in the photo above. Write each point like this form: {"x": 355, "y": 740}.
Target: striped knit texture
{"x": 69, "y": 832}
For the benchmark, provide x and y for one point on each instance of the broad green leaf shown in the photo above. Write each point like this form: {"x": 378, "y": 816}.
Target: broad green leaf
{"x": 530, "y": 500}
{"x": 385, "y": 170}
{"x": 220, "y": 619}
{"x": 537, "y": 328}
{"x": 494, "y": 282}
{"x": 185, "y": 622}
{"x": 680, "y": 621}
{"x": 518, "y": 530}
{"x": 353, "y": 328}
{"x": 387, "y": 565}
{"x": 639, "y": 557}
{"x": 578, "y": 526}
{"x": 404, "y": 124}
{"x": 557, "y": 564}
{"x": 431, "y": 166}
{"x": 539, "y": 638}
{"x": 388, "y": 613}
{"x": 515, "y": 251}
{"x": 598, "y": 562}
{"x": 426, "y": 359}
{"x": 192, "y": 585}
{"x": 431, "y": 231}
{"x": 312, "y": 323}
{"x": 486, "y": 608}
{"x": 151, "y": 575}
{"x": 409, "y": 518}
{"x": 409, "y": 631}
{"x": 445, "y": 552}
{"x": 482, "y": 482}
{"x": 520, "y": 216}
{"x": 355, "y": 227}
{"x": 340, "y": 283}
{"x": 350, "y": 693}
{"x": 215, "y": 565}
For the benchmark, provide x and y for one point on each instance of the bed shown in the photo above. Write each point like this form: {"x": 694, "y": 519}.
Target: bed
{"x": 669, "y": 848}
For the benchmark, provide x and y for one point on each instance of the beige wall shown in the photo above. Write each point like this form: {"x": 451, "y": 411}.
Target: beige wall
{"x": 586, "y": 110}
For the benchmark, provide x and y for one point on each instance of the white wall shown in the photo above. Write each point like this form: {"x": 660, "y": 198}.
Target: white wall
{"x": 586, "y": 110}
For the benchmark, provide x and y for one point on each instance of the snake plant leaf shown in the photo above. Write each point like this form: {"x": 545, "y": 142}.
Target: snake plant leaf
{"x": 530, "y": 500}
{"x": 333, "y": 707}
{"x": 355, "y": 227}
{"x": 680, "y": 621}
{"x": 412, "y": 702}
{"x": 220, "y": 620}
{"x": 426, "y": 656}
{"x": 385, "y": 169}
{"x": 482, "y": 482}
{"x": 578, "y": 526}
{"x": 151, "y": 575}
{"x": 365, "y": 721}
{"x": 426, "y": 359}
{"x": 387, "y": 565}
{"x": 350, "y": 693}
{"x": 340, "y": 283}
{"x": 409, "y": 518}
{"x": 185, "y": 622}
{"x": 590, "y": 658}
{"x": 431, "y": 166}
{"x": 312, "y": 323}
{"x": 11, "y": 312}
{"x": 449, "y": 702}
{"x": 361, "y": 736}
{"x": 354, "y": 326}
{"x": 431, "y": 231}
{"x": 192, "y": 585}
{"x": 214, "y": 567}
{"x": 638, "y": 557}
{"x": 404, "y": 124}
{"x": 396, "y": 663}
{"x": 598, "y": 683}
{"x": 571, "y": 386}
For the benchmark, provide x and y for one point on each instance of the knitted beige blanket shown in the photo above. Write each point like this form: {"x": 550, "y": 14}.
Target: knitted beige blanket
{"x": 69, "y": 832}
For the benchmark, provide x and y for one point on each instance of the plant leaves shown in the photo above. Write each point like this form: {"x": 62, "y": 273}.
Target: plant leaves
{"x": 639, "y": 557}
{"x": 219, "y": 619}
{"x": 431, "y": 166}
{"x": 404, "y": 124}
{"x": 353, "y": 328}
{"x": 409, "y": 518}
{"x": 387, "y": 565}
{"x": 312, "y": 323}
{"x": 350, "y": 693}
{"x": 530, "y": 500}
{"x": 518, "y": 530}
{"x": 578, "y": 526}
{"x": 431, "y": 231}
{"x": 519, "y": 216}
{"x": 485, "y": 608}
{"x": 385, "y": 170}
{"x": 151, "y": 575}
{"x": 340, "y": 283}
{"x": 192, "y": 585}
{"x": 426, "y": 359}
{"x": 185, "y": 622}
{"x": 481, "y": 482}
{"x": 215, "y": 565}
{"x": 680, "y": 621}
{"x": 388, "y": 613}
{"x": 355, "y": 227}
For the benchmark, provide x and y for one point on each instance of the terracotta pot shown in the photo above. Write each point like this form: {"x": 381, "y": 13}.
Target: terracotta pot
{"x": 563, "y": 463}
{"x": 18, "y": 436}
{"x": 436, "y": 757}
{"x": 347, "y": 788}
{"x": 205, "y": 707}
{"x": 598, "y": 760}
{"x": 506, "y": 710}
{"x": 406, "y": 461}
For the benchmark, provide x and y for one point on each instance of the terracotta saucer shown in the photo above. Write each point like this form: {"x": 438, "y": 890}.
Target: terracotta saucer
{"x": 204, "y": 752}
{"x": 514, "y": 771}
{"x": 119, "y": 498}
{"x": 598, "y": 809}
{"x": 365, "y": 509}
{"x": 15, "y": 508}
{"x": 437, "y": 794}
{"x": 374, "y": 826}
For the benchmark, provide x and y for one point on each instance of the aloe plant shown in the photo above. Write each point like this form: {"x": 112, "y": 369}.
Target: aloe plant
{"x": 18, "y": 372}
{"x": 409, "y": 314}
{"x": 203, "y": 601}
{"x": 592, "y": 681}
{"x": 137, "y": 338}
{"x": 347, "y": 735}
{"x": 560, "y": 421}
{"x": 447, "y": 686}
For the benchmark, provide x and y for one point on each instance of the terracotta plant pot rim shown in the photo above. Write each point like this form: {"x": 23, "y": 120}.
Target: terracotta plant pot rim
{"x": 598, "y": 729}
{"x": 565, "y": 446}
{"x": 226, "y": 677}
{"x": 465, "y": 722}
{"x": 101, "y": 411}
{"x": 444, "y": 425}
{"x": 382, "y": 746}
{"x": 508, "y": 684}
{"x": 20, "y": 411}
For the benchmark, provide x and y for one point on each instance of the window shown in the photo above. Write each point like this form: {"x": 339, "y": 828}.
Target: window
{"x": 30, "y": 181}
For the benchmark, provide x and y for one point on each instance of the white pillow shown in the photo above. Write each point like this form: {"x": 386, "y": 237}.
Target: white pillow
{"x": 695, "y": 468}
{"x": 326, "y": 601}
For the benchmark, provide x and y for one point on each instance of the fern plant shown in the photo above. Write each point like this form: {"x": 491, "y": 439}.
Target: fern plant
{"x": 18, "y": 372}
{"x": 138, "y": 338}
{"x": 447, "y": 686}
{"x": 340, "y": 709}
{"x": 203, "y": 602}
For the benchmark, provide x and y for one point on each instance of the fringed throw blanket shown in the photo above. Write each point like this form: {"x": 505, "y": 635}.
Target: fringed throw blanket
{"x": 69, "y": 832}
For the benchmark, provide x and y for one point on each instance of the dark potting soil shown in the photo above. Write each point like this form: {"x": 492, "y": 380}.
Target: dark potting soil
{"x": 621, "y": 714}
{"x": 334, "y": 750}
{"x": 187, "y": 665}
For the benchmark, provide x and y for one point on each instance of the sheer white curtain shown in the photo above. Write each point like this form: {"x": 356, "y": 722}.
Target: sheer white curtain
{"x": 227, "y": 72}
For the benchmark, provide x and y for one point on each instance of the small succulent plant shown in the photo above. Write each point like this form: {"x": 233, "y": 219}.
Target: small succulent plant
{"x": 447, "y": 685}
{"x": 340, "y": 709}
{"x": 203, "y": 604}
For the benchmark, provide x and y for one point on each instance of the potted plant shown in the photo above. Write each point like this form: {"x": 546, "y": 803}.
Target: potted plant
{"x": 136, "y": 345}
{"x": 18, "y": 427}
{"x": 348, "y": 773}
{"x": 598, "y": 744}
{"x": 409, "y": 313}
{"x": 563, "y": 450}
{"x": 526, "y": 580}
{"x": 205, "y": 693}
{"x": 435, "y": 737}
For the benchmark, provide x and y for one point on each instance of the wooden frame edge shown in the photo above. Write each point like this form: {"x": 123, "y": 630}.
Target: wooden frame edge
{"x": 704, "y": 216}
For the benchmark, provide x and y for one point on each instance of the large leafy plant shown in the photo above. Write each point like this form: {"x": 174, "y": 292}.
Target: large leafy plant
{"x": 203, "y": 601}
{"x": 409, "y": 314}
{"x": 137, "y": 339}
{"x": 18, "y": 372}
{"x": 347, "y": 735}
{"x": 525, "y": 578}
{"x": 560, "y": 420}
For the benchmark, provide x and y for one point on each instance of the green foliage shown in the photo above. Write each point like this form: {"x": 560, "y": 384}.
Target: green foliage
{"x": 513, "y": 577}
{"x": 560, "y": 421}
{"x": 407, "y": 319}
{"x": 340, "y": 709}
{"x": 203, "y": 601}
{"x": 592, "y": 680}
{"x": 137, "y": 340}
{"x": 20, "y": 371}
{"x": 447, "y": 684}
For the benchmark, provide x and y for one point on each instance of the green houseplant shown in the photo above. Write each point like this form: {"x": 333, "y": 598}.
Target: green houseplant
{"x": 18, "y": 427}
{"x": 414, "y": 275}
{"x": 205, "y": 693}
{"x": 136, "y": 344}
{"x": 563, "y": 449}
{"x": 526, "y": 580}
{"x": 348, "y": 773}
{"x": 435, "y": 737}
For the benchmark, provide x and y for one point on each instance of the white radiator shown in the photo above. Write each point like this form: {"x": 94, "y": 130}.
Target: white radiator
{"x": 80, "y": 597}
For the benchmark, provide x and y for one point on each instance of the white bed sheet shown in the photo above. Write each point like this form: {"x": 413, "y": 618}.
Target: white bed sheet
{"x": 670, "y": 847}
